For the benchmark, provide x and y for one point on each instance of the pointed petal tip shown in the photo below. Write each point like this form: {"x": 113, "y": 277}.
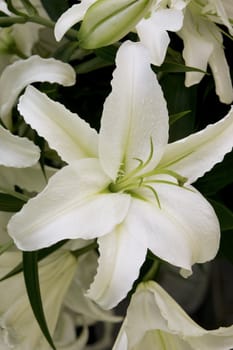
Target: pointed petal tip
{"x": 18, "y": 152}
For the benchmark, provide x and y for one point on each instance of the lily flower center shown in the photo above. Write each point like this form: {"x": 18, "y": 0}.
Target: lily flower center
{"x": 139, "y": 177}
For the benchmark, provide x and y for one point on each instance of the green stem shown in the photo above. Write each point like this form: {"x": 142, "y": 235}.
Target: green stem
{"x": 152, "y": 271}
{"x": 91, "y": 65}
{"x": 41, "y": 20}
{"x": 23, "y": 18}
{"x": 70, "y": 34}
{"x": 7, "y": 21}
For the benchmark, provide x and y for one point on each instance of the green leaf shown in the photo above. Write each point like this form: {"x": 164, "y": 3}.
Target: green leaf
{"x": 179, "y": 98}
{"x": 224, "y": 214}
{"x": 218, "y": 178}
{"x": 10, "y": 203}
{"x": 91, "y": 65}
{"x": 171, "y": 67}
{"x": 55, "y": 8}
{"x": 175, "y": 117}
{"x": 31, "y": 277}
{"x": 65, "y": 51}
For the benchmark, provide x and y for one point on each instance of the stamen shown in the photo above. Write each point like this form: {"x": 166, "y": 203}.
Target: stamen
{"x": 155, "y": 194}
{"x": 140, "y": 167}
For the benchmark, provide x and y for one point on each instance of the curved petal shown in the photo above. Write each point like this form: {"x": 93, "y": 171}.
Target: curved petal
{"x": 17, "y": 321}
{"x": 65, "y": 337}
{"x": 156, "y": 41}
{"x": 65, "y": 132}
{"x": 198, "y": 153}
{"x": 30, "y": 179}
{"x": 153, "y": 34}
{"x": 227, "y": 4}
{"x": 26, "y": 36}
{"x": 16, "y": 151}
{"x": 75, "y": 204}
{"x": 121, "y": 255}
{"x": 121, "y": 342}
{"x": 224, "y": 13}
{"x": 4, "y": 8}
{"x": 171, "y": 321}
{"x": 134, "y": 114}
{"x": 184, "y": 231}
{"x": 75, "y": 298}
{"x": 197, "y": 48}
{"x": 69, "y": 18}
{"x": 23, "y": 72}
{"x": 221, "y": 73}
{"x": 217, "y": 61}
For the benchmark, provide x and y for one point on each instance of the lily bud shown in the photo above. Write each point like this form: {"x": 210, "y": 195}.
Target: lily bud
{"x": 107, "y": 21}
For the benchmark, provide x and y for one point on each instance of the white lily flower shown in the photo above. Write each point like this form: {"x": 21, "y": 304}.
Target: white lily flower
{"x": 19, "y": 328}
{"x": 126, "y": 186}
{"x": 155, "y": 321}
{"x": 23, "y": 72}
{"x": 203, "y": 45}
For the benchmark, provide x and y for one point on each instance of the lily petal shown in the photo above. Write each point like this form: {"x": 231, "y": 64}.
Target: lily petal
{"x": 26, "y": 36}
{"x": 73, "y": 205}
{"x": 16, "y": 151}
{"x": 197, "y": 48}
{"x": 153, "y": 34}
{"x": 65, "y": 132}
{"x": 221, "y": 73}
{"x": 121, "y": 255}
{"x": 23, "y": 72}
{"x": 171, "y": 323}
{"x": 75, "y": 298}
{"x": 70, "y": 17}
{"x": 184, "y": 231}
{"x": 30, "y": 179}
{"x": 156, "y": 41}
{"x": 134, "y": 113}
{"x": 4, "y": 8}
{"x": 224, "y": 13}
{"x": 198, "y": 153}
{"x": 17, "y": 321}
